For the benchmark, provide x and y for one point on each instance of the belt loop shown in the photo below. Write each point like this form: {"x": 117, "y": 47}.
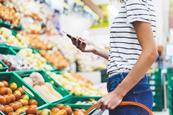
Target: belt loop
{"x": 122, "y": 76}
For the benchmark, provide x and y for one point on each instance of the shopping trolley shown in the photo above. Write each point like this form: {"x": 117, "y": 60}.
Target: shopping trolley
{"x": 95, "y": 109}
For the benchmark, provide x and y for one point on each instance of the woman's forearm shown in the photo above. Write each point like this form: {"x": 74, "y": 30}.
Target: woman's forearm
{"x": 102, "y": 53}
{"x": 137, "y": 73}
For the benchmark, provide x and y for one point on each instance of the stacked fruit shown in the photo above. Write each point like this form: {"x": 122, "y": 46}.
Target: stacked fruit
{"x": 8, "y": 13}
{"x": 77, "y": 84}
{"x": 35, "y": 41}
{"x": 34, "y": 59}
{"x": 62, "y": 110}
{"x": 56, "y": 58}
{"x": 14, "y": 101}
{"x": 18, "y": 64}
{"x": 7, "y": 37}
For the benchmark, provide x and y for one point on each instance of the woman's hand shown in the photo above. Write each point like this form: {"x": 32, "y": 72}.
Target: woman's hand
{"x": 110, "y": 101}
{"x": 83, "y": 45}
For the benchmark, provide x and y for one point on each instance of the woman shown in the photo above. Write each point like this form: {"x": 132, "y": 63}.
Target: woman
{"x": 132, "y": 52}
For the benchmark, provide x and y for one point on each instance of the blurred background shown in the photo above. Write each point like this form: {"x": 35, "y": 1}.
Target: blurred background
{"x": 32, "y": 30}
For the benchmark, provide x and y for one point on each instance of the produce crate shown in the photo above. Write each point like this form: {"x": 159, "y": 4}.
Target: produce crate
{"x": 4, "y": 66}
{"x": 170, "y": 77}
{"x": 170, "y": 89}
{"x": 1, "y": 113}
{"x": 72, "y": 102}
{"x": 10, "y": 26}
{"x": 48, "y": 79}
{"x": 57, "y": 71}
{"x": 4, "y": 49}
{"x": 13, "y": 77}
{"x": 156, "y": 86}
{"x": 69, "y": 101}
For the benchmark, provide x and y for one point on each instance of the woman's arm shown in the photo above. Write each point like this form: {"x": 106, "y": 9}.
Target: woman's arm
{"x": 101, "y": 52}
{"x": 85, "y": 46}
{"x": 146, "y": 59}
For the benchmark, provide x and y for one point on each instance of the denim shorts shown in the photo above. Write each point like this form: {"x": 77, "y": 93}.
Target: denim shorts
{"x": 141, "y": 93}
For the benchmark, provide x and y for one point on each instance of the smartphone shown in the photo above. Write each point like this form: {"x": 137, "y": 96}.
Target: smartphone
{"x": 68, "y": 35}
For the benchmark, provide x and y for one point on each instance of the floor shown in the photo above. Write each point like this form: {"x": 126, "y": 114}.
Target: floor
{"x": 155, "y": 113}
{"x": 161, "y": 113}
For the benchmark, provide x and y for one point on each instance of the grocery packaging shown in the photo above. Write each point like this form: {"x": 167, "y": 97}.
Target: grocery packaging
{"x": 45, "y": 86}
{"x": 19, "y": 63}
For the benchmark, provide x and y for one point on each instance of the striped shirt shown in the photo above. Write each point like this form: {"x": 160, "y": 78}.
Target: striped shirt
{"x": 124, "y": 45}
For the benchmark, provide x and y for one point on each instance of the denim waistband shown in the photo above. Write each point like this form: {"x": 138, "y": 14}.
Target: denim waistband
{"x": 142, "y": 84}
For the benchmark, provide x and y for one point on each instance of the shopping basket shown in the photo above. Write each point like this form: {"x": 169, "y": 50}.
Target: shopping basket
{"x": 95, "y": 109}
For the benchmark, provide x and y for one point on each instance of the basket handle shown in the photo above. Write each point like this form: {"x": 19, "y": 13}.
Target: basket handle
{"x": 123, "y": 103}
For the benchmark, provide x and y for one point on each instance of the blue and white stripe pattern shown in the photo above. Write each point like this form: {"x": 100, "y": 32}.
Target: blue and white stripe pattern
{"x": 124, "y": 45}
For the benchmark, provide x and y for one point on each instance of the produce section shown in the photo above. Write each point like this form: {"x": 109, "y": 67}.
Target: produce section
{"x": 42, "y": 72}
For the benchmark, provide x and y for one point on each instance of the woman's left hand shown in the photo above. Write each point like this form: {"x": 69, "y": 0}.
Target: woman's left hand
{"x": 110, "y": 101}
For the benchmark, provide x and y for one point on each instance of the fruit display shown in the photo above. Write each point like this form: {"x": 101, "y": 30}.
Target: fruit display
{"x": 14, "y": 101}
{"x": 35, "y": 59}
{"x": 18, "y": 64}
{"x": 62, "y": 110}
{"x": 8, "y": 13}
{"x": 77, "y": 84}
{"x": 37, "y": 42}
{"x": 45, "y": 89}
{"x": 55, "y": 58}
{"x": 7, "y": 37}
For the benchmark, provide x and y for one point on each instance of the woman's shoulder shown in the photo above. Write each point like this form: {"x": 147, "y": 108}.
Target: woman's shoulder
{"x": 137, "y": 1}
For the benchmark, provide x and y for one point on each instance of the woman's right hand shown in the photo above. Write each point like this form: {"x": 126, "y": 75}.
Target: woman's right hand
{"x": 83, "y": 45}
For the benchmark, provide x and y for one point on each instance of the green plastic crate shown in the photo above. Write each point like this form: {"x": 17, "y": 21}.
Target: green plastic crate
{"x": 1, "y": 113}
{"x": 156, "y": 85}
{"x": 57, "y": 71}
{"x": 4, "y": 49}
{"x": 158, "y": 108}
{"x": 170, "y": 89}
{"x": 13, "y": 77}
{"x": 9, "y": 25}
{"x": 4, "y": 66}
{"x": 69, "y": 101}
{"x": 48, "y": 79}
{"x": 74, "y": 99}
